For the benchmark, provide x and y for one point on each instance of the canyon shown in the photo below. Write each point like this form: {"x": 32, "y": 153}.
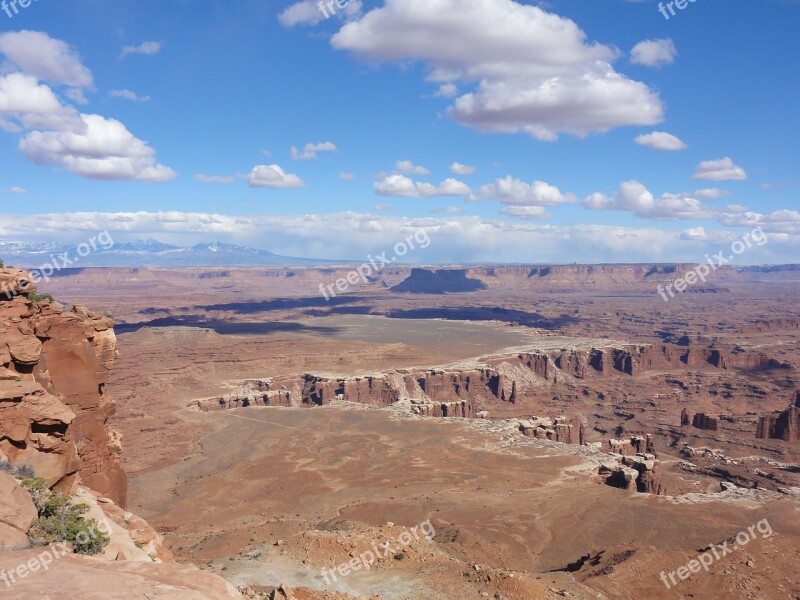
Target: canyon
{"x": 558, "y": 425}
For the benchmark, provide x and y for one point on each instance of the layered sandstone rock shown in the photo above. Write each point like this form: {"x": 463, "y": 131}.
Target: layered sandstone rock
{"x": 54, "y": 365}
{"x": 781, "y": 426}
{"x": 17, "y": 513}
{"x": 703, "y": 421}
{"x": 75, "y": 576}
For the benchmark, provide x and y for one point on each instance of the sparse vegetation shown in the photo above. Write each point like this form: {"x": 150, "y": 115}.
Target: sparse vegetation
{"x": 37, "y": 298}
{"x": 61, "y": 520}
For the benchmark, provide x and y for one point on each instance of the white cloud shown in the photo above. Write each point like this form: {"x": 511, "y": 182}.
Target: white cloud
{"x": 536, "y": 72}
{"x": 446, "y": 90}
{"x": 273, "y": 176}
{"x": 711, "y": 193}
{"x": 454, "y": 238}
{"x": 57, "y": 134}
{"x": 527, "y": 212}
{"x": 145, "y": 48}
{"x": 128, "y": 95}
{"x": 723, "y": 169}
{"x": 460, "y": 169}
{"x": 26, "y": 103}
{"x": 661, "y": 140}
{"x": 14, "y": 190}
{"x": 400, "y": 185}
{"x": 347, "y": 176}
{"x": 515, "y": 192}
{"x": 780, "y": 221}
{"x": 654, "y": 53}
{"x": 308, "y": 12}
{"x": 409, "y": 168}
{"x": 48, "y": 59}
{"x": 105, "y": 150}
{"x": 214, "y": 179}
{"x": 634, "y": 197}
{"x": 310, "y": 150}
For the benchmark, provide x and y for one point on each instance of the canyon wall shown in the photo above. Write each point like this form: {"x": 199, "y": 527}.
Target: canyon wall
{"x": 54, "y": 410}
{"x": 463, "y": 391}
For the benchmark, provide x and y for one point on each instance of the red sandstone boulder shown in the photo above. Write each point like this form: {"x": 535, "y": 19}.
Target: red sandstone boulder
{"x": 17, "y": 513}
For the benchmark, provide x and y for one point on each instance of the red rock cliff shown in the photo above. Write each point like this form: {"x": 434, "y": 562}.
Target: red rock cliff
{"x": 54, "y": 411}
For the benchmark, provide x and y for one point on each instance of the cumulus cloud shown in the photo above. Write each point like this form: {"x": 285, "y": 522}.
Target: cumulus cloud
{"x": 25, "y": 103}
{"x": 654, "y": 53}
{"x": 460, "y": 169}
{"x": 535, "y": 71}
{"x": 723, "y": 169}
{"x": 309, "y": 151}
{"x": 273, "y": 176}
{"x": 145, "y": 48}
{"x": 400, "y": 185}
{"x": 14, "y": 190}
{"x": 633, "y": 196}
{"x": 105, "y": 150}
{"x": 515, "y": 192}
{"x": 661, "y": 140}
{"x": 409, "y": 168}
{"x": 56, "y": 134}
{"x": 47, "y": 59}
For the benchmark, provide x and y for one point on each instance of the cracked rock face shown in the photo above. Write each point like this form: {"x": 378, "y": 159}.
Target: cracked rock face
{"x": 54, "y": 364}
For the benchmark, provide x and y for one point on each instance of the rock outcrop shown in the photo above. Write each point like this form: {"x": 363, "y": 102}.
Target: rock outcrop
{"x": 499, "y": 378}
{"x": 54, "y": 364}
{"x": 54, "y": 411}
{"x": 781, "y": 426}
{"x": 703, "y": 421}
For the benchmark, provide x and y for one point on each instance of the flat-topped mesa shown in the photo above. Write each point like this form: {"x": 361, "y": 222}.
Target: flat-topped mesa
{"x": 781, "y": 426}
{"x": 507, "y": 378}
{"x": 54, "y": 410}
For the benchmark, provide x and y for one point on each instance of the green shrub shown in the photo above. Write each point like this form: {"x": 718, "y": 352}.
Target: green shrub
{"x": 62, "y": 521}
{"x": 37, "y": 298}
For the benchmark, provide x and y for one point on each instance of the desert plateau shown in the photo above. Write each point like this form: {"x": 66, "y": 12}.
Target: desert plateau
{"x": 399, "y": 300}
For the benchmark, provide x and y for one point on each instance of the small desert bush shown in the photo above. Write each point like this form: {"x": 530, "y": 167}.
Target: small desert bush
{"x": 62, "y": 521}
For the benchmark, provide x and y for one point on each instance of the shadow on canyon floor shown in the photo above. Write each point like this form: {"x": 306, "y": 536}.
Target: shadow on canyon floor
{"x": 227, "y": 327}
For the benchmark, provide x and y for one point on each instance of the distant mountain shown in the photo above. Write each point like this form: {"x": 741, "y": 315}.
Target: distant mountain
{"x": 148, "y": 253}
{"x": 444, "y": 281}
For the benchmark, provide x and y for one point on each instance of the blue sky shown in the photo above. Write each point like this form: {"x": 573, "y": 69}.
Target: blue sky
{"x": 176, "y": 120}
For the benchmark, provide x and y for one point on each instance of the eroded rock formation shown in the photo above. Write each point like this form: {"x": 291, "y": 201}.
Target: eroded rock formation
{"x": 54, "y": 411}
{"x": 781, "y": 426}
{"x": 703, "y": 421}
{"x": 504, "y": 379}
